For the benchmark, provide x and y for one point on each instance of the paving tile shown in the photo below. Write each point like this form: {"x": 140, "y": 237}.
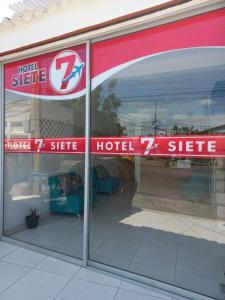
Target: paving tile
{"x": 128, "y": 234}
{"x": 95, "y": 243}
{"x": 84, "y": 290}
{"x": 205, "y": 233}
{"x": 207, "y": 286}
{"x": 24, "y": 257}
{"x": 221, "y": 246}
{"x": 36, "y": 285}
{"x": 9, "y": 273}
{"x": 53, "y": 239}
{"x": 90, "y": 275}
{"x": 158, "y": 273}
{"x": 212, "y": 225}
{"x": 117, "y": 250}
{"x": 67, "y": 226}
{"x": 6, "y": 248}
{"x": 100, "y": 231}
{"x": 173, "y": 225}
{"x": 28, "y": 235}
{"x": 198, "y": 246}
{"x": 159, "y": 238}
{"x": 144, "y": 290}
{"x": 74, "y": 244}
{"x": 118, "y": 263}
{"x": 205, "y": 265}
{"x": 128, "y": 295}
{"x": 57, "y": 266}
{"x": 156, "y": 256}
{"x": 190, "y": 233}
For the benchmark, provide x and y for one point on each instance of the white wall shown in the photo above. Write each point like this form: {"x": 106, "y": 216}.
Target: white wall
{"x": 58, "y": 20}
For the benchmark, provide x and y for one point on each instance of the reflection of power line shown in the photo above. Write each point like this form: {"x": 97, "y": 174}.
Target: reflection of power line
{"x": 203, "y": 93}
{"x": 131, "y": 117}
{"x": 148, "y": 124}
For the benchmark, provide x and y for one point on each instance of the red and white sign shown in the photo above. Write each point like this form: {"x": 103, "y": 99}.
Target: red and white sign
{"x": 55, "y": 75}
{"x": 51, "y": 75}
{"x": 169, "y": 146}
{"x": 65, "y": 71}
{"x": 205, "y": 30}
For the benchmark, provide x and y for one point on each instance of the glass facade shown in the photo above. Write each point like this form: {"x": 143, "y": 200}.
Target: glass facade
{"x": 166, "y": 218}
{"x": 157, "y": 171}
{"x": 44, "y": 181}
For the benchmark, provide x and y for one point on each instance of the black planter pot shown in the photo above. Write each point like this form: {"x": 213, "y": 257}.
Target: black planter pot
{"x": 32, "y": 221}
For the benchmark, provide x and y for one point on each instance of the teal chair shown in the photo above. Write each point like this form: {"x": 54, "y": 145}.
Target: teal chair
{"x": 61, "y": 202}
{"x": 104, "y": 182}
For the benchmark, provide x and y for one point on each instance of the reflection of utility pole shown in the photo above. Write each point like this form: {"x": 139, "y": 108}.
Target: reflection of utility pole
{"x": 137, "y": 159}
{"x": 155, "y": 119}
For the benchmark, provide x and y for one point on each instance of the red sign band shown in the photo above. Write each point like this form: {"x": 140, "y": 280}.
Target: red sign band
{"x": 166, "y": 146}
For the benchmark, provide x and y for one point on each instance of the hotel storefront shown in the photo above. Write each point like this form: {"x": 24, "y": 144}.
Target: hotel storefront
{"x": 118, "y": 146}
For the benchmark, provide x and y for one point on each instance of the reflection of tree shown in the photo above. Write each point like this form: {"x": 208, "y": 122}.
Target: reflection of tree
{"x": 104, "y": 104}
{"x": 185, "y": 130}
{"x": 104, "y": 111}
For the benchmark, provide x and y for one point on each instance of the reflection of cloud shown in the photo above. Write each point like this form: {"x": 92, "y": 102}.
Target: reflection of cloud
{"x": 179, "y": 60}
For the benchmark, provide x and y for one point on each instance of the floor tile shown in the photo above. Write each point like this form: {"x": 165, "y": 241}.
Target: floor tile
{"x": 117, "y": 250}
{"x": 205, "y": 265}
{"x": 128, "y": 234}
{"x": 36, "y": 285}
{"x": 157, "y": 273}
{"x": 156, "y": 256}
{"x": 117, "y": 263}
{"x": 57, "y": 266}
{"x": 98, "y": 277}
{"x": 84, "y": 290}
{"x": 95, "y": 243}
{"x": 199, "y": 284}
{"x": 173, "y": 226}
{"x": 24, "y": 257}
{"x": 6, "y": 248}
{"x": 145, "y": 291}
{"x": 128, "y": 295}
{"x": 53, "y": 239}
{"x": 198, "y": 246}
{"x": 27, "y": 235}
{"x": 205, "y": 233}
{"x": 74, "y": 244}
{"x": 212, "y": 225}
{"x": 221, "y": 247}
{"x": 159, "y": 238}
{"x": 9, "y": 273}
{"x": 100, "y": 231}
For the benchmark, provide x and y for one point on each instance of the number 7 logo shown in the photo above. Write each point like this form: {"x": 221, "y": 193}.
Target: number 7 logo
{"x": 150, "y": 144}
{"x": 65, "y": 71}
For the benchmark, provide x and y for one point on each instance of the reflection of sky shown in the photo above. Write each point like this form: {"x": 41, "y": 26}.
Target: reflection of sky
{"x": 186, "y": 88}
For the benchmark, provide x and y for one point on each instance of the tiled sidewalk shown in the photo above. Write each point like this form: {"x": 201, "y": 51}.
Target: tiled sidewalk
{"x": 27, "y": 275}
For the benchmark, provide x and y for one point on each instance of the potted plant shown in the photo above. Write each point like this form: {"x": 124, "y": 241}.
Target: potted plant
{"x": 32, "y": 219}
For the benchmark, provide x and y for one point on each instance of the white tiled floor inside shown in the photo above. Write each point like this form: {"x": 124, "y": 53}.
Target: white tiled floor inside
{"x": 181, "y": 250}
{"x": 27, "y": 275}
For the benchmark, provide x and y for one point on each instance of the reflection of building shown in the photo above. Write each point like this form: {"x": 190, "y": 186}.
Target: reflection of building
{"x": 218, "y": 129}
{"x": 22, "y": 120}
